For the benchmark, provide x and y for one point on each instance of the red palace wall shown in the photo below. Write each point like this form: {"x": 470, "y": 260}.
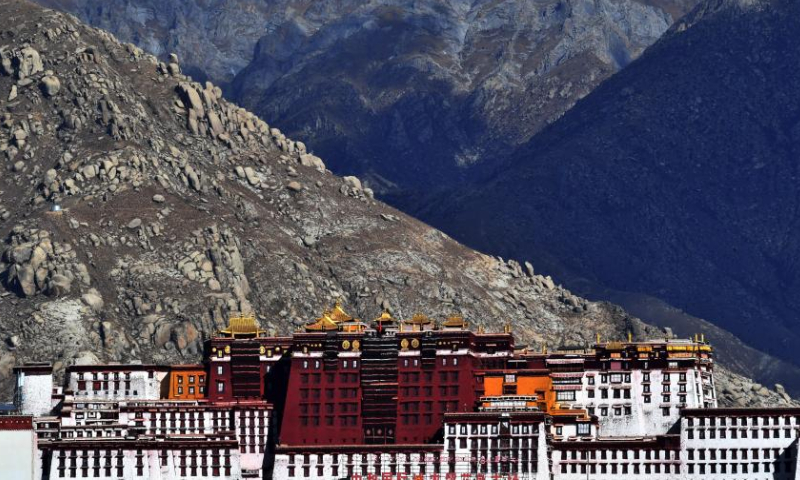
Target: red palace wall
{"x": 242, "y": 368}
{"x": 323, "y": 399}
{"x": 407, "y": 382}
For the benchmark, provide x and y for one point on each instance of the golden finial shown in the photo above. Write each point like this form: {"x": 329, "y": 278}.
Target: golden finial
{"x": 630, "y": 336}
{"x": 337, "y": 313}
{"x": 597, "y": 337}
{"x": 544, "y": 348}
{"x": 455, "y": 321}
{"x": 507, "y": 328}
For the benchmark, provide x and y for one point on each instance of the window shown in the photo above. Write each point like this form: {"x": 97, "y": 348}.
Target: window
{"x": 191, "y": 378}
{"x": 591, "y": 380}
{"x": 646, "y": 377}
{"x": 665, "y": 411}
{"x": 220, "y": 387}
{"x": 219, "y": 369}
{"x": 568, "y": 395}
{"x": 180, "y": 379}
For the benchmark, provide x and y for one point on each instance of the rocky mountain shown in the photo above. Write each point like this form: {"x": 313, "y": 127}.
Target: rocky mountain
{"x": 407, "y": 94}
{"x": 178, "y": 208}
{"x": 676, "y": 179}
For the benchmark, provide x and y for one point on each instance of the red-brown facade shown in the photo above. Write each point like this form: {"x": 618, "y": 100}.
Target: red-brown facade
{"x": 384, "y": 387}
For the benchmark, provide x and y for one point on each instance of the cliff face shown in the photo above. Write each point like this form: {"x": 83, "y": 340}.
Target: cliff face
{"x": 407, "y": 94}
{"x": 179, "y": 208}
{"x": 676, "y": 179}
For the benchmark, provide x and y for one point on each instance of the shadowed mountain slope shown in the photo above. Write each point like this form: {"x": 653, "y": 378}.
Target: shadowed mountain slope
{"x": 676, "y": 179}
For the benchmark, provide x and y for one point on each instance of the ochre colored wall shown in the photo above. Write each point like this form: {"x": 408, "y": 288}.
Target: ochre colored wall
{"x": 493, "y": 386}
{"x": 180, "y": 384}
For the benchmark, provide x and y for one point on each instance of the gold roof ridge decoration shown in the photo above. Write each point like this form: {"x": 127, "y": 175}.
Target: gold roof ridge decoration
{"x": 455, "y": 321}
{"x": 323, "y": 323}
{"x": 337, "y": 313}
{"x": 334, "y": 319}
{"x": 385, "y": 317}
{"x": 242, "y": 325}
{"x": 418, "y": 319}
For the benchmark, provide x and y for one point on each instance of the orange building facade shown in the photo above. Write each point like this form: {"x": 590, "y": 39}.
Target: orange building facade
{"x": 187, "y": 382}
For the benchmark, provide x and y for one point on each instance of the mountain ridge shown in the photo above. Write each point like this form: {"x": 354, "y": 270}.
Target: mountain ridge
{"x": 336, "y": 74}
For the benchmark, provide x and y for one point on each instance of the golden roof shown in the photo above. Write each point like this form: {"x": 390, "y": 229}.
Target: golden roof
{"x": 338, "y": 314}
{"x": 418, "y": 319}
{"x": 324, "y": 323}
{"x": 244, "y": 325}
{"x": 385, "y": 317}
{"x": 454, "y": 321}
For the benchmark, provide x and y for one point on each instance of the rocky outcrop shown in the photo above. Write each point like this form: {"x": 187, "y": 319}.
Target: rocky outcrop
{"x": 34, "y": 264}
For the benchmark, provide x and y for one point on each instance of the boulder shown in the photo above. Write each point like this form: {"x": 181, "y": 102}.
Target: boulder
{"x": 353, "y": 182}
{"x": 28, "y": 62}
{"x": 308, "y": 160}
{"x": 26, "y": 280}
{"x": 252, "y": 176}
{"x": 86, "y": 358}
{"x": 50, "y": 85}
{"x": 58, "y": 285}
{"x": 93, "y": 299}
{"x": 294, "y": 186}
{"x": 191, "y": 98}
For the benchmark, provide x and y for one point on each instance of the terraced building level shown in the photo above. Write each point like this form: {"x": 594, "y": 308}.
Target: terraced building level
{"x": 416, "y": 398}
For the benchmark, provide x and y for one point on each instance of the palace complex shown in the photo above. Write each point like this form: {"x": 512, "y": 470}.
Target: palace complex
{"x": 407, "y": 399}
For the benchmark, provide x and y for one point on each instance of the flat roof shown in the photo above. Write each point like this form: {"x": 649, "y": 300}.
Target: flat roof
{"x": 16, "y": 422}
